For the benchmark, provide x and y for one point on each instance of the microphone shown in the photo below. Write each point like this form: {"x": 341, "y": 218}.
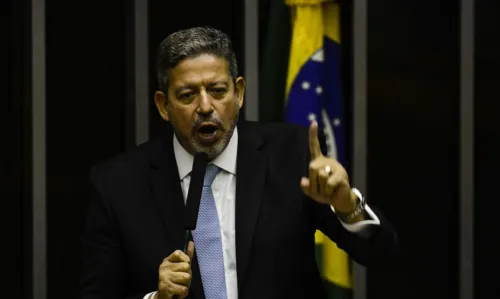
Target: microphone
{"x": 194, "y": 195}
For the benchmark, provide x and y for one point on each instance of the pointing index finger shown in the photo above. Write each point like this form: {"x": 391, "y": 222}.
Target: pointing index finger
{"x": 314, "y": 147}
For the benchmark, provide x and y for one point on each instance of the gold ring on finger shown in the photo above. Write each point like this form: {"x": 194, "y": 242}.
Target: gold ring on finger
{"x": 328, "y": 170}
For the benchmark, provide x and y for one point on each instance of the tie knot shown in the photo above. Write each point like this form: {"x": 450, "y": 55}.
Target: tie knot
{"x": 210, "y": 173}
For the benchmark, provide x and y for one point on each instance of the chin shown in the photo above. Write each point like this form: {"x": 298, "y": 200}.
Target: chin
{"x": 212, "y": 151}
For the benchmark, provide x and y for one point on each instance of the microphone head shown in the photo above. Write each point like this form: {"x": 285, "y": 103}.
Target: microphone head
{"x": 195, "y": 189}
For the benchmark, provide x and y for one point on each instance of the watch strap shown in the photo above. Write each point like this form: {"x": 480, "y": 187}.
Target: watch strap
{"x": 359, "y": 210}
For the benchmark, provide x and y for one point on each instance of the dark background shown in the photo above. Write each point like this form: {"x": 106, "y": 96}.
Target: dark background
{"x": 413, "y": 129}
{"x": 15, "y": 144}
{"x": 413, "y": 142}
{"x": 487, "y": 146}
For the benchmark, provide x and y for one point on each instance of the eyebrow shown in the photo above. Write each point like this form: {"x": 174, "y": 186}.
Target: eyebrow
{"x": 182, "y": 88}
{"x": 223, "y": 82}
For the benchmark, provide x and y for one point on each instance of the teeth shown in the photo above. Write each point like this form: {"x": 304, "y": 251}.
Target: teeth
{"x": 207, "y": 133}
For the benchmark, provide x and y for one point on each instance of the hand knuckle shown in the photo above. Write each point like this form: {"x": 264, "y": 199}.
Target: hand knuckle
{"x": 167, "y": 267}
{"x": 162, "y": 285}
{"x": 171, "y": 287}
{"x": 163, "y": 277}
{"x": 162, "y": 268}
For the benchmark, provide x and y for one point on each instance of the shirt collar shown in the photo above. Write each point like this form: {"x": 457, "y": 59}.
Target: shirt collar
{"x": 226, "y": 160}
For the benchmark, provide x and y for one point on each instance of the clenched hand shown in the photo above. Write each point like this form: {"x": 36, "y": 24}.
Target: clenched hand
{"x": 175, "y": 274}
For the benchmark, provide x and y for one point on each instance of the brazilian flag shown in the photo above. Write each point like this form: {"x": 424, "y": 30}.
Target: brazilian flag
{"x": 313, "y": 93}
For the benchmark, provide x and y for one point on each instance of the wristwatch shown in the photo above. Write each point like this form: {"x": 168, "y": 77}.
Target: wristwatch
{"x": 359, "y": 210}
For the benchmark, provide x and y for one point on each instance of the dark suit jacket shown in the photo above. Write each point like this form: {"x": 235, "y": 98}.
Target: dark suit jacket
{"x": 135, "y": 220}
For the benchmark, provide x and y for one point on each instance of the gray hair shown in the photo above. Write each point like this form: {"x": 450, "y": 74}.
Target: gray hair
{"x": 190, "y": 43}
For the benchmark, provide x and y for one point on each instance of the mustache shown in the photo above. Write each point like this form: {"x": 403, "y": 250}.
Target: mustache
{"x": 210, "y": 119}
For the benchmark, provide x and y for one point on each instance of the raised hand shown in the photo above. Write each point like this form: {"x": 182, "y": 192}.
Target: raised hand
{"x": 328, "y": 182}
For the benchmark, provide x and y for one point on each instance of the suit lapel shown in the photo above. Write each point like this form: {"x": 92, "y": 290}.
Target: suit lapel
{"x": 166, "y": 187}
{"x": 250, "y": 180}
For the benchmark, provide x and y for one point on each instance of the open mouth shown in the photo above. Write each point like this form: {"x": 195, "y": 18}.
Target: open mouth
{"x": 207, "y": 129}
{"x": 207, "y": 133}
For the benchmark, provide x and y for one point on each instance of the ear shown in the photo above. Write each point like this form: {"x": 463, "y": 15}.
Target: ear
{"x": 240, "y": 90}
{"x": 161, "y": 104}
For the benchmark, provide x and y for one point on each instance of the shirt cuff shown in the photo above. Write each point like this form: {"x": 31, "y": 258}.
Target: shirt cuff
{"x": 150, "y": 295}
{"x": 361, "y": 225}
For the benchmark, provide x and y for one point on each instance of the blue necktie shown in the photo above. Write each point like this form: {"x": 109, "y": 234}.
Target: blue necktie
{"x": 207, "y": 241}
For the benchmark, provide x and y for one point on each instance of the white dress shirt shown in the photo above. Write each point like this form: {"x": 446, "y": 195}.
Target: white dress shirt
{"x": 224, "y": 190}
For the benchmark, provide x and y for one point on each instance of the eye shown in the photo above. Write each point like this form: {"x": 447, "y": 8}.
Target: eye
{"x": 186, "y": 95}
{"x": 219, "y": 91}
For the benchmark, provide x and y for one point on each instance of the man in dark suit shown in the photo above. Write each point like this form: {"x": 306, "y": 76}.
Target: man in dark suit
{"x": 267, "y": 190}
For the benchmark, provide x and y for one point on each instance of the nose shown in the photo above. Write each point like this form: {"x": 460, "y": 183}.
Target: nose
{"x": 205, "y": 105}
